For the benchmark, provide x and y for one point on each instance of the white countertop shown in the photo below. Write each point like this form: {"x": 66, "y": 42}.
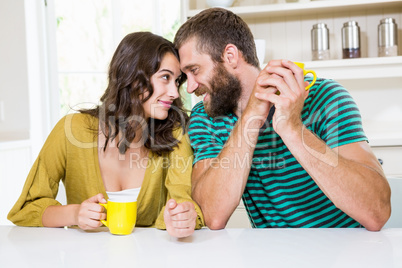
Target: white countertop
{"x": 58, "y": 247}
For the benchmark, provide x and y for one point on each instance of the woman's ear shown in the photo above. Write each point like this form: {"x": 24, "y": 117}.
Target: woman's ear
{"x": 231, "y": 55}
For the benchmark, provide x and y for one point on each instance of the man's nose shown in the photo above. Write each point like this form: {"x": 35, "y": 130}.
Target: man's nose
{"x": 192, "y": 85}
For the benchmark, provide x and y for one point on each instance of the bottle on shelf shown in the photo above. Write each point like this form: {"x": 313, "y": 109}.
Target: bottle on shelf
{"x": 350, "y": 40}
{"x": 320, "y": 42}
{"x": 387, "y": 38}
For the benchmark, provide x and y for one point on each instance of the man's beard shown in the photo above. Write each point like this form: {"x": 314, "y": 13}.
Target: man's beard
{"x": 224, "y": 93}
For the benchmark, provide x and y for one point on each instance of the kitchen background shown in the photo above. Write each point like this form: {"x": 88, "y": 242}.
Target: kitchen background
{"x": 54, "y": 55}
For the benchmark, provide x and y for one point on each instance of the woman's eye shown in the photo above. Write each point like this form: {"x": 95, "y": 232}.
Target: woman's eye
{"x": 166, "y": 77}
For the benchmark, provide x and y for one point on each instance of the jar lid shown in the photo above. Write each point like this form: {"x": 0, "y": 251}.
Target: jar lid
{"x": 350, "y": 23}
{"x": 388, "y": 20}
{"x": 319, "y": 25}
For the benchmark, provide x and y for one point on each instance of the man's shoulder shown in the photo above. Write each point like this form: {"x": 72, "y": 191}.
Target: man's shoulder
{"x": 199, "y": 109}
{"x": 328, "y": 90}
{"x": 325, "y": 85}
{"x": 198, "y": 114}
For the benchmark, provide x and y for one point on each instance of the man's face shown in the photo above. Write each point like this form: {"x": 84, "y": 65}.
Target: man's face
{"x": 225, "y": 92}
{"x": 220, "y": 89}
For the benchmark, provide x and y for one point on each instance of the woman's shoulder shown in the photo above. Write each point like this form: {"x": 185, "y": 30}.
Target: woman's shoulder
{"x": 79, "y": 127}
{"x": 181, "y": 134}
{"x": 80, "y": 119}
{"x": 184, "y": 141}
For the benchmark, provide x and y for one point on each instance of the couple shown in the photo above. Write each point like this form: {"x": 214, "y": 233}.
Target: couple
{"x": 297, "y": 158}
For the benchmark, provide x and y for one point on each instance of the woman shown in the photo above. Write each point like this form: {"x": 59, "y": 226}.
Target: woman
{"x": 133, "y": 139}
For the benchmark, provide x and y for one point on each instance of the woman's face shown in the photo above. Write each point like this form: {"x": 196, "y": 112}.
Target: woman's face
{"x": 165, "y": 85}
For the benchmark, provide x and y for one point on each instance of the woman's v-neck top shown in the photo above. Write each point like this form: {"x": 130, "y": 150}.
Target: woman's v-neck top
{"x": 70, "y": 155}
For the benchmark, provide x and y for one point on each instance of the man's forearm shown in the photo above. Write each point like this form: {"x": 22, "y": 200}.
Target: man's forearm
{"x": 353, "y": 181}
{"x": 219, "y": 188}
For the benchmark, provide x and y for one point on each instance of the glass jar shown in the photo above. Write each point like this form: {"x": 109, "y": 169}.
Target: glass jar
{"x": 320, "y": 42}
{"x": 350, "y": 40}
{"x": 387, "y": 38}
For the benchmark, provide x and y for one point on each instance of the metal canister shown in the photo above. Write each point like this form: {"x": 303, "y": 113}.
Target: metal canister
{"x": 351, "y": 40}
{"x": 387, "y": 38}
{"x": 320, "y": 42}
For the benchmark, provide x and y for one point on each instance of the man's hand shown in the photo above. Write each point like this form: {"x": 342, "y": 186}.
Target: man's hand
{"x": 180, "y": 218}
{"x": 288, "y": 79}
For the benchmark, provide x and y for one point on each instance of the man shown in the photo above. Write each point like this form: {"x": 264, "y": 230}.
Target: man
{"x": 297, "y": 158}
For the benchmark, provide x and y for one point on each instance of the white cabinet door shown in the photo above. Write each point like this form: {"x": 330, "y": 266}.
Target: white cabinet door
{"x": 395, "y": 220}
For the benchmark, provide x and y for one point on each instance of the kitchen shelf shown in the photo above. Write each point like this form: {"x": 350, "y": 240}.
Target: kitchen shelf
{"x": 393, "y": 139}
{"x": 361, "y": 68}
{"x": 277, "y": 10}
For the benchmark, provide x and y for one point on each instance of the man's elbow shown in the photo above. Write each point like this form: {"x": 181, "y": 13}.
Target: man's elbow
{"x": 374, "y": 226}
{"x": 377, "y": 222}
{"x": 215, "y": 223}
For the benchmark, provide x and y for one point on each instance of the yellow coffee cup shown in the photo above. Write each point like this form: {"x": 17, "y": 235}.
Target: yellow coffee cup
{"x": 120, "y": 217}
{"x": 301, "y": 65}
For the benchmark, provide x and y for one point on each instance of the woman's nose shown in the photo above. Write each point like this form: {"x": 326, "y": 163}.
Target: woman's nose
{"x": 173, "y": 92}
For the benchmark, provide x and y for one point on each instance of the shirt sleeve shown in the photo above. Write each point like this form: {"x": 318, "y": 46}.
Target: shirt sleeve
{"x": 204, "y": 137}
{"x": 334, "y": 115}
{"x": 42, "y": 184}
{"x": 178, "y": 179}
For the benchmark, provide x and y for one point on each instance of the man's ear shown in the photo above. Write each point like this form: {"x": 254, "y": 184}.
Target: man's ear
{"x": 231, "y": 55}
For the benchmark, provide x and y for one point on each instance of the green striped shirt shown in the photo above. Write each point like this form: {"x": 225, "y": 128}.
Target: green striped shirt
{"x": 279, "y": 192}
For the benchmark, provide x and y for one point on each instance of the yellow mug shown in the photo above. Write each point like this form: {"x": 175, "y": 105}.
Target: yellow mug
{"x": 301, "y": 65}
{"x": 120, "y": 217}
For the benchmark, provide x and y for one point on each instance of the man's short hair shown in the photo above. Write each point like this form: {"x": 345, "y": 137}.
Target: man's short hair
{"x": 213, "y": 29}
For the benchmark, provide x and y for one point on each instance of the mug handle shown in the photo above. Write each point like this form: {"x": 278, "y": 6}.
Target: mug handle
{"x": 314, "y": 77}
{"x": 104, "y": 221}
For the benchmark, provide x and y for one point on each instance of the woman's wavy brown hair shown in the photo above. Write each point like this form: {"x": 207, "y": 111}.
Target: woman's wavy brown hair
{"x": 136, "y": 59}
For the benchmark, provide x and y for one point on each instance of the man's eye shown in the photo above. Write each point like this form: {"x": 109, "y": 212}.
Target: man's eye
{"x": 194, "y": 70}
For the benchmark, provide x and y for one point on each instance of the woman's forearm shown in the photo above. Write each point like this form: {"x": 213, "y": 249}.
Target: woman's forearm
{"x": 60, "y": 216}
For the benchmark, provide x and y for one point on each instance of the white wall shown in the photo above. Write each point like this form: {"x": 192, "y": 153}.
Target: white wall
{"x": 25, "y": 92}
{"x": 15, "y": 162}
{"x": 13, "y": 71}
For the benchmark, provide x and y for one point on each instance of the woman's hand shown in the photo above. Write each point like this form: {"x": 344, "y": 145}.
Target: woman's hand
{"x": 180, "y": 218}
{"x": 90, "y": 213}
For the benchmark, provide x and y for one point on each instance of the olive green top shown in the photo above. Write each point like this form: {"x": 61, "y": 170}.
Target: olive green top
{"x": 70, "y": 154}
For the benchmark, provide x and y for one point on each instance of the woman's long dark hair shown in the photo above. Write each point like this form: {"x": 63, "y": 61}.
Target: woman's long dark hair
{"x": 136, "y": 59}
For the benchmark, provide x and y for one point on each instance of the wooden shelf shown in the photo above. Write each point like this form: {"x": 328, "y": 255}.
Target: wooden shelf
{"x": 276, "y": 10}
